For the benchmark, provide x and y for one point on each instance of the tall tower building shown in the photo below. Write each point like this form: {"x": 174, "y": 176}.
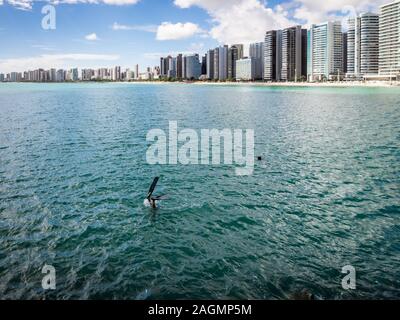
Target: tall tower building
{"x": 216, "y": 64}
{"x": 325, "y": 46}
{"x": 344, "y": 52}
{"x": 363, "y": 45}
{"x": 117, "y": 73}
{"x": 256, "y": 52}
{"x": 278, "y": 55}
{"x": 172, "y": 71}
{"x": 179, "y": 66}
{"x": 294, "y": 54}
{"x": 223, "y": 63}
{"x": 235, "y": 53}
{"x": 137, "y": 71}
{"x": 240, "y": 50}
{"x": 193, "y": 67}
{"x": 353, "y": 46}
{"x": 184, "y": 67}
{"x": 270, "y": 53}
{"x": 389, "y": 39}
{"x": 210, "y": 64}
{"x": 369, "y": 43}
{"x": 204, "y": 65}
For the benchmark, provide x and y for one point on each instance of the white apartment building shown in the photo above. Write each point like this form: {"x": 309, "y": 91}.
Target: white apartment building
{"x": 325, "y": 45}
{"x": 389, "y": 39}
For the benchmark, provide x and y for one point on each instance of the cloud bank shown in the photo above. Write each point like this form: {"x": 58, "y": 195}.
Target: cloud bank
{"x": 177, "y": 31}
{"x": 47, "y": 61}
{"x": 245, "y": 21}
{"x": 27, "y": 4}
{"x": 92, "y": 37}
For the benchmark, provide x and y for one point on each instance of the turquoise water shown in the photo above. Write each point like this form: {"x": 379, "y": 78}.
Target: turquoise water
{"x": 73, "y": 176}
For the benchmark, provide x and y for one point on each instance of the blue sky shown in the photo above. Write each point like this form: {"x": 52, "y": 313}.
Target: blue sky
{"x": 97, "y": 33}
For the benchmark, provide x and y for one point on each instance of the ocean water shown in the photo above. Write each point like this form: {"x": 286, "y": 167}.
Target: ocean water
{"x": 73, "y": 177}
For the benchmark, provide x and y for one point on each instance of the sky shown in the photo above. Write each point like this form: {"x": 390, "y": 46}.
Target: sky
{"x": 105, "y": 33}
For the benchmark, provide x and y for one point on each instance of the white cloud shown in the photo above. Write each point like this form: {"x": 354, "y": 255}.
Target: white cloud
{"x": 47, "y": 61}
{"x": 146, "y": 28}
{"x": 21, "y": 4}
{"x": 92, "y": 37}
{"x": 239, "y": 21}
{"x": 171, "y": 31}
{"x": 245, "y": 21}
{"x": 311, "y": 11}
{"x": 27, "y": 4}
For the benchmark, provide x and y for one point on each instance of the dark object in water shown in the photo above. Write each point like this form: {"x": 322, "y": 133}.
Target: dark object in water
{"x": 259, "y": 158}
{"x": 152, "y": 187}
{"x": 152, "y": 200}
{"x": 302, "y": 295}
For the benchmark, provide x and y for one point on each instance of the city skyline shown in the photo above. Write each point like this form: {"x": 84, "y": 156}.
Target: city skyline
{"x": 139, "y": 32}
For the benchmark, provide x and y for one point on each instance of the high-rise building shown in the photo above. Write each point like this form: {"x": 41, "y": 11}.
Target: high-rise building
{"x": 1, "y": 77}
{"x": 389, "y": 39}
{"x": 235, "y": 53}
{"x": 270, "y": 56}
{"x": 168, "y": 67}
{"x": 325, "y": 51}
{"x": 127, "y": 75}
{"x": 223, "y": 63}
{"x": 164, "y": 66}
{"x": 117, "y": 74}
{"x": 210, "y": 64}
{"x": 156, "y": 72}
{"x": 216, "y": 64}
{"x": 13, "y": 76}
{"x": 353, "y": 46}
{"x": 87, "y": 74}
{"x": 137, "y": 71}
{"x": 232, "y": 58}
{"x": 240, "y": 50}
{"x": 369, "y": 43}
{"x": 246, "y": 69}
{"x": 75, "y": 74}
{"x": 344, "y": 52}
{"x": 172, "y": 65}
{"x": 363, "y": 45}
{"x": 184, "y": 67}
{"x": 204, "y": 65}
{"x": 60, "y": 75}
{"x": 179, "y": 66}
{"x": 278, "y": 55}
{"x": 193, "y": 67}
{"x": 256, "y": 52}
{"x": 294, "y": 54}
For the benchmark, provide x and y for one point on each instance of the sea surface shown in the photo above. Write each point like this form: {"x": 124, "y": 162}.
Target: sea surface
{"x": 73, "y": 177}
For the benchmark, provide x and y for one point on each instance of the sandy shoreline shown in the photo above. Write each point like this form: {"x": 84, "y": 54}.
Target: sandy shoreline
{"x": 369, "y": 84}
